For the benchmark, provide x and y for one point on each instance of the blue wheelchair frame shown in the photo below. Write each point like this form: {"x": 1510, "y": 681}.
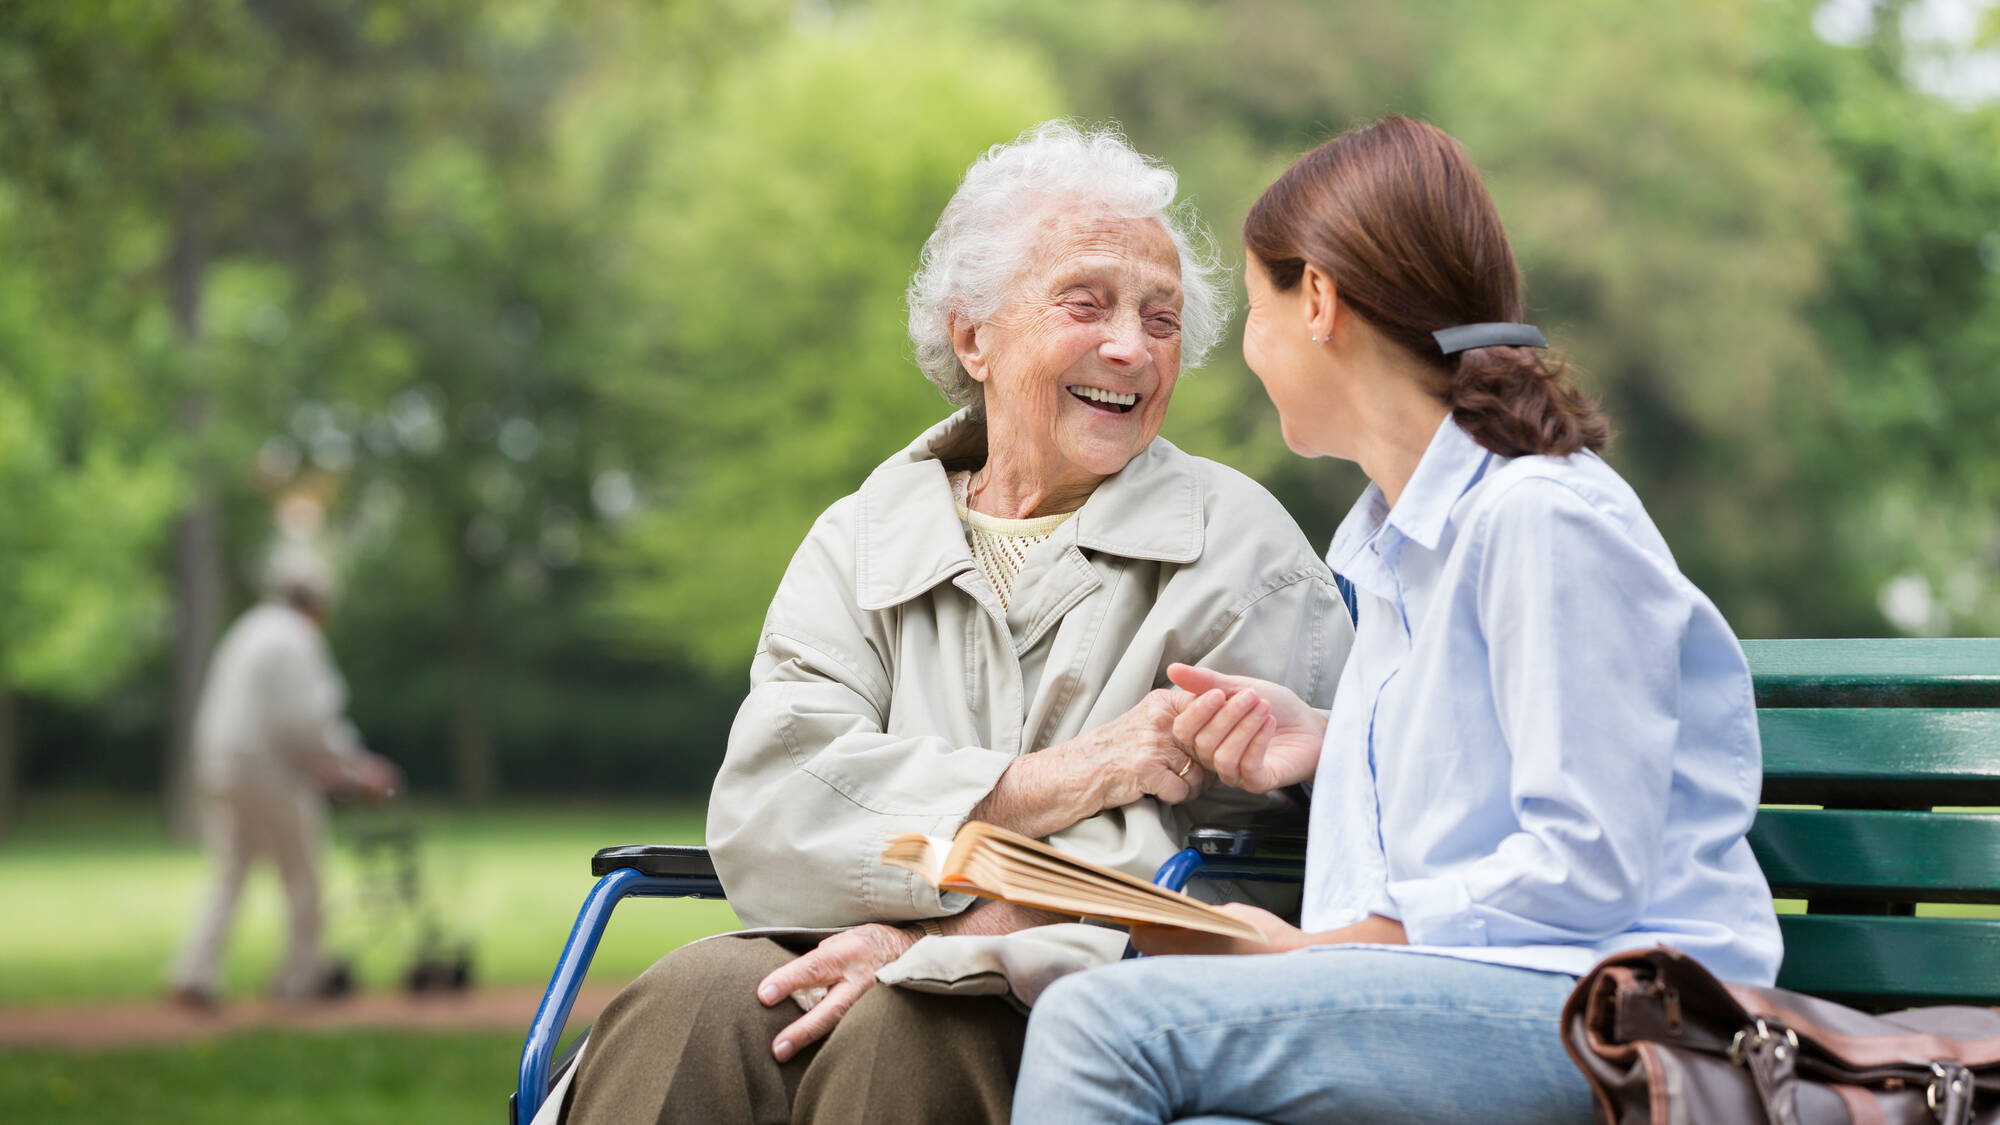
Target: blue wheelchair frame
{"x": 651, "y": 871}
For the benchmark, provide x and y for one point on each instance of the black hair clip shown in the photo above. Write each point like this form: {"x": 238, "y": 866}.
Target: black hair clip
{"x": 1465, "y": 337}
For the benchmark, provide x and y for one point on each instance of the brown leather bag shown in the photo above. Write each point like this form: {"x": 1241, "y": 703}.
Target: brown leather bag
{"x": 1664, "y": 1042}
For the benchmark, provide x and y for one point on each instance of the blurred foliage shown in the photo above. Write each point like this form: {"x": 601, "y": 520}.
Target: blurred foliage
{"x": 570, "y": 317}
{"x": 790, "y": 379}
{"x": 89, "y": 487}
{"x": 1905, "y": 444}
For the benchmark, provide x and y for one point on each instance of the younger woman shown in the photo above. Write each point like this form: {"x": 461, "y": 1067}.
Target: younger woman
{"x": 1543, "y": 749}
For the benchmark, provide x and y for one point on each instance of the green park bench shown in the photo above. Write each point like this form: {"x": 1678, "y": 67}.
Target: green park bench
{"x": 1882, "y": 792}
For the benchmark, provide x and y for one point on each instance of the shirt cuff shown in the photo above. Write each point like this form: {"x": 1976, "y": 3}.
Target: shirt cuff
{"x": 1437, "y": 912}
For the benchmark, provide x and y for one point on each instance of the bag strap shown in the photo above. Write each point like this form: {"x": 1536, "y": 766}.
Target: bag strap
{"x": 1950, "y": 1093}
{"x": 1772, "y": 1054}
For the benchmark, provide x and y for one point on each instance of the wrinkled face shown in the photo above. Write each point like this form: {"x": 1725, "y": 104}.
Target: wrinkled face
{"x": 1079, "y": 364}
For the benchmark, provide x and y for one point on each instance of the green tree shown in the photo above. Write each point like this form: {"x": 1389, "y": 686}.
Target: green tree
{"x": 89, "y": 491}
{"x": 241, "y": 138}
{"x": 352, "y": 222}
{"x": 1904, "y": 451}
{"x": 1674, "y": 217}
{"x": 769, "y": 247}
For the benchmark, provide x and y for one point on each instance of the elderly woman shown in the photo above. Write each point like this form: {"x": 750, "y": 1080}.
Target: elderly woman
{"x": 982, "y": 631}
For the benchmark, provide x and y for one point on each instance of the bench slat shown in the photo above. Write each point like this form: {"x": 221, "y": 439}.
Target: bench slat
{"x": 1894, "y": 856}
{"x": 1885, "y": 756}
{"x": 1892, "y": 962}
{"x": 1904, "y": 672}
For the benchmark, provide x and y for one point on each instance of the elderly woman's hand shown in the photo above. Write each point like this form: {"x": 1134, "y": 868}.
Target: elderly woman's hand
{"x": 1134, "y": 755}
{"x": 844, "y": 965}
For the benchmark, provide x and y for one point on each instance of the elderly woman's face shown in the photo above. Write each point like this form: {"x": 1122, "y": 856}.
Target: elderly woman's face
{"x": 1082, "y": 359}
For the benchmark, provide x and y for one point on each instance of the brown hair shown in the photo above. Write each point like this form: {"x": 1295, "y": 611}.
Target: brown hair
{"x": 1395, "y": 213}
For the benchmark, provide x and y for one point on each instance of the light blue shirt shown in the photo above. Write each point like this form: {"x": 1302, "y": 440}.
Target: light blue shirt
{"x": 1544, "y": 746}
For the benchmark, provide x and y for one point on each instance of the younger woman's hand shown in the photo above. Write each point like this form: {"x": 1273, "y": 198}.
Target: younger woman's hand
{"x": 1251, "y": 733}
{"x": 1279, "y": 936}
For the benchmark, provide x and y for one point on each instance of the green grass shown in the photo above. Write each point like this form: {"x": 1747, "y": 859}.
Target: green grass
{"x": 382, "y": 1078}
{"x": 99, "y": 899}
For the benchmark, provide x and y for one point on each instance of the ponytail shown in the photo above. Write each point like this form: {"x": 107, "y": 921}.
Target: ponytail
{"x": 1517, "y": 403}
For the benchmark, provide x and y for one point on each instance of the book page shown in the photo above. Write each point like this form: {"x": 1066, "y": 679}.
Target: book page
{"x": 992, "y": 862}
{"x": 919, "y": 853}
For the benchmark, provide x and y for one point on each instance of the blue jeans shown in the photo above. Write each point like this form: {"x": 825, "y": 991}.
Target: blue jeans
{"x": 1320, "y": 1036}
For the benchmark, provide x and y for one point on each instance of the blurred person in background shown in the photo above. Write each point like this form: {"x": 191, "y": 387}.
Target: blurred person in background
{"x": 271, "y": 738}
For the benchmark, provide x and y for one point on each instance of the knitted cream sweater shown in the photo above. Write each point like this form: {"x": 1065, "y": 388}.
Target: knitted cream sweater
{"x": 1000, "y": 547}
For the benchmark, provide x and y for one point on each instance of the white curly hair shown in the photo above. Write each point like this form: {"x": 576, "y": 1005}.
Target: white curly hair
{"x": 975, "y": 256}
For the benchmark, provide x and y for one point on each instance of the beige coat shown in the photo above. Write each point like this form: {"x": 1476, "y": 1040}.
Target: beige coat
{"x": 890, "y": 689}
{"x": 272, "y": 715}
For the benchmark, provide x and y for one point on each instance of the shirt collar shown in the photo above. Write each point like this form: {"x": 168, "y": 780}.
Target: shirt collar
{"x": 1450, "y": 466}
{"x": 909, "y": 537}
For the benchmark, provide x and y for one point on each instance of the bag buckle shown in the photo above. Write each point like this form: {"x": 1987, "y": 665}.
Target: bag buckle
{"x": 1947, "y": 1088}
{"x": 1743, "y": 1041}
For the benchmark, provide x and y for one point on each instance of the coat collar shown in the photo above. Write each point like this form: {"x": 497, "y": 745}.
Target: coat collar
{"x": 908, "y": 537}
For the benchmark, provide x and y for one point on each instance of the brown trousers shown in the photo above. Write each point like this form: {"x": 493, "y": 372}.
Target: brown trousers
{"x": 688, "y": 1042}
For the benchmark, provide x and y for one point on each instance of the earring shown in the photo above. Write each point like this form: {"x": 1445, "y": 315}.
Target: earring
{"x": 1319, "y": 339}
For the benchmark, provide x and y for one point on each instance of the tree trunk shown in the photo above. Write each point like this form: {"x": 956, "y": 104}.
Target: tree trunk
{"x": 10, "y": 759}
{"x": 198, "y": 563}
{"x": 474, "y": 771}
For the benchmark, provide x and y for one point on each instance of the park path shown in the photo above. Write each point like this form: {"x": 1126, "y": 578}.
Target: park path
{"x": 85, "y": 1026}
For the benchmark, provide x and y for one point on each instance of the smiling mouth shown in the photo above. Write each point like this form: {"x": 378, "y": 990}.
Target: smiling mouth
{"x": 1111, "y": 402}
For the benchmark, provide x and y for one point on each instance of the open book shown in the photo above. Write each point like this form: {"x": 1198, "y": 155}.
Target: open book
{"x": 995, "y": 863}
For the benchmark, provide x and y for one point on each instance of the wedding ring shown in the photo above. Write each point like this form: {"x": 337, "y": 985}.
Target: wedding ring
{"x": 1185, "y": 768}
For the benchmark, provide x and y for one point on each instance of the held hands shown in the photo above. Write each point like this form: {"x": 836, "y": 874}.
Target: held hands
{"x": 1171, "y": 746}
{"x": 844, "y": 965}
{"x": 1134, "y": 755}
{"x": 1138, "y": 755}
{"x": 1251, "y": 733}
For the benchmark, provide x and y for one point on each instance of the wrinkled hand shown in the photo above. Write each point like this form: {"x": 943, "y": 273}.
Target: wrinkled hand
{"x": 1136, "y": 754}
{"x": 1253, "y": 734}
{"x": 844, "y": 965}
{"x": 1108, "y": 767}
{"x": 1279, "y": 935}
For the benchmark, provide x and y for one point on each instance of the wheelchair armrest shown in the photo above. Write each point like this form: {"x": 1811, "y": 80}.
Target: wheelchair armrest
{"x": 1233, "y": 851}
{"x": 654, "y": 859}
{"x": 1247, "y": 841}
{"x": 633, "y": 870}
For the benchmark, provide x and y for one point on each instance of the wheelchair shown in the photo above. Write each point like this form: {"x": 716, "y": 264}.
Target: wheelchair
{"x": 1247, "y": 853}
